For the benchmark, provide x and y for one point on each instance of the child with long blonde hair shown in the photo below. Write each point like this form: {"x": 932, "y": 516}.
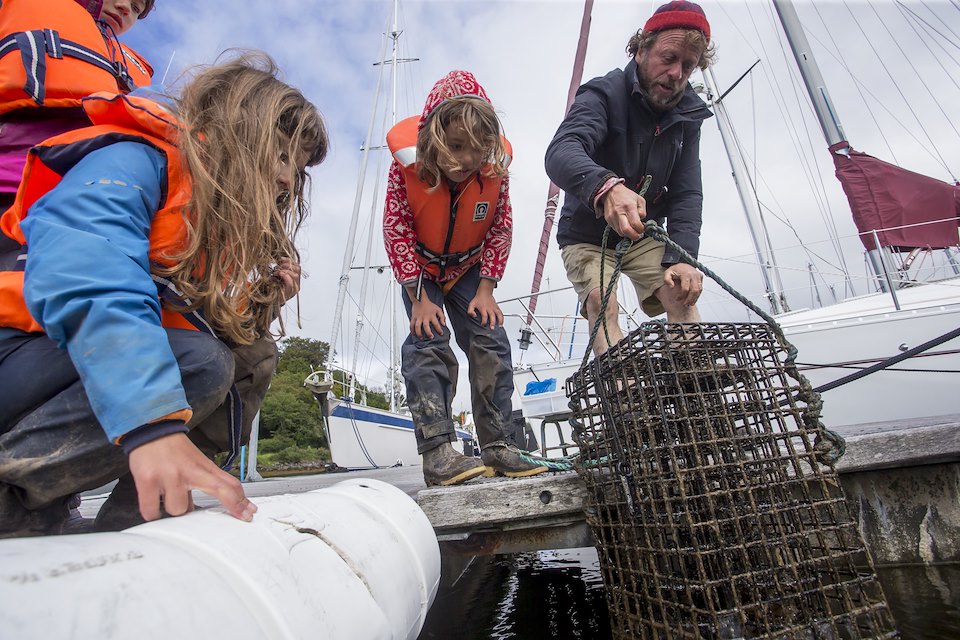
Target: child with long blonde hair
{"x": 158, "y": 247}
{"x": 447, "y": 230}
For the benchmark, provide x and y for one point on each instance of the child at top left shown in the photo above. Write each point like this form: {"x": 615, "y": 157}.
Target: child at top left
{"x": 52, "y": 54}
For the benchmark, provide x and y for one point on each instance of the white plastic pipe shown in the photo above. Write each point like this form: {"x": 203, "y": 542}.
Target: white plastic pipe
{"x": 354, "y": 561}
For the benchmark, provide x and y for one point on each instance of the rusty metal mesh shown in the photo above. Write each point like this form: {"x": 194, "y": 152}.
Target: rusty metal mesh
{"x": 712, "y": 515}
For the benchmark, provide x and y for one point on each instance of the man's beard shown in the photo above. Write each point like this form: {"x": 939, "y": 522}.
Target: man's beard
{"x": 657, "y": 103}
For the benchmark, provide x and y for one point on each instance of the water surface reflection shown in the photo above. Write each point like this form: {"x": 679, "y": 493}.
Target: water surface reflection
{"x": 558, "y": 595}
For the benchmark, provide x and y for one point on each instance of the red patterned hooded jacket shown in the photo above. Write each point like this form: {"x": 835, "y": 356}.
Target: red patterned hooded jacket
{"x": 398, "y": 232}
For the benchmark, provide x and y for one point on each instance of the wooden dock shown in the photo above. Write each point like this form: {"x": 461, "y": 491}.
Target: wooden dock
{"x": 902, "y": 484}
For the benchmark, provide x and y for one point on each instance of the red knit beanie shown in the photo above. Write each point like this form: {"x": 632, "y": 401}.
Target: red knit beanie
{"x": 679, "y": 14}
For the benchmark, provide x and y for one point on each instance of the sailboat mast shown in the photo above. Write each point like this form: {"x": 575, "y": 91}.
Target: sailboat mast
{"x": 553, "y": 192}
{"x": 822, "y": 105}
{"x": 816, "y": 88}
{"x": 354, "y": 221}
{"x": 375, "y": 208}
{"x": 392, "y": 376}
{"x": 761, "y": 243}
{"x": 370, "y": 144}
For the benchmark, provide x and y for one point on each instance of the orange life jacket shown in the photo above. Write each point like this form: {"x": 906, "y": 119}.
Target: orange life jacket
{"x": 52, "y": 54}
{"x": 116, "y": 118}
{"x": 450, "y": 227}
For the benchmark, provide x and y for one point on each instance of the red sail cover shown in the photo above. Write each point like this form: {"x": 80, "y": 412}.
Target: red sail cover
{"x": 885, "y": 196}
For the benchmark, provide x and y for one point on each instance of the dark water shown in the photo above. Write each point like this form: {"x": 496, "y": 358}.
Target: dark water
{"x": 548, "y": 594}
{"x": 558, "y": 595}
{"x": 925, "y": 602}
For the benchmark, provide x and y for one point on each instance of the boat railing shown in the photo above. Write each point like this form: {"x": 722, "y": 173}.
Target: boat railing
{"x": 819, "y": 282}
{"x": 554, "y": 337}
{"x": 322, "y": 381}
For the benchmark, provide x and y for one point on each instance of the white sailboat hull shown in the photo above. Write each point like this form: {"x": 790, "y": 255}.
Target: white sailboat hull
{"x": 362, "y": 437}
{"x": 861, "y": 331}
{"x": 838, "y": 340}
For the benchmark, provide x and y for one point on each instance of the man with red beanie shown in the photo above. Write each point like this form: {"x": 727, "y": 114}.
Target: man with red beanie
{"x": 642, "y": 120}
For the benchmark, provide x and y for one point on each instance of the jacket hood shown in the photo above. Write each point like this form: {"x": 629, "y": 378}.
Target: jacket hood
{"x": 454, "y": 84}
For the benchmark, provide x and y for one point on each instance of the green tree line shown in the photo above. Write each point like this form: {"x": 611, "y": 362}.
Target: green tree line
{"x": 291, "y": 424}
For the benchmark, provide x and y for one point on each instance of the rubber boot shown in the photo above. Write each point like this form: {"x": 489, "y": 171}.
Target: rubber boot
{"x": 75, "y": 522}
{"x": 121, "y": 510}
{"x": 508, "y": 460}
{"x": 16, "y": 521}
{"x": 444, "y": 467}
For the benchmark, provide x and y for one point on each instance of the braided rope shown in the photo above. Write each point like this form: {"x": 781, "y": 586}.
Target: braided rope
{"x": 558, "y": 464}
{"x": 621, "y": 249}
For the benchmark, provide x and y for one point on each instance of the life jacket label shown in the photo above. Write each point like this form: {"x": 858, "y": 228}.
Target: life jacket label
{"x": 480, "y": 211}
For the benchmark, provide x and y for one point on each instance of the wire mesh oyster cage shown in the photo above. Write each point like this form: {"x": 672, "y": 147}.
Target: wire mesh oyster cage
{"x": 714, "y": 513}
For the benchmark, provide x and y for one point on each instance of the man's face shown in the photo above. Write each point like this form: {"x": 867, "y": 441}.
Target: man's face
{"x": 665, "y": 68}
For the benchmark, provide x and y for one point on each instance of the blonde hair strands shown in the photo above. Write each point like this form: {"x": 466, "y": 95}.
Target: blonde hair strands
{"x": 240, "y": 120}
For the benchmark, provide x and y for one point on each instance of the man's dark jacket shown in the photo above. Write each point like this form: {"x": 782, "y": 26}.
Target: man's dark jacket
{"x": 611, "y": 131}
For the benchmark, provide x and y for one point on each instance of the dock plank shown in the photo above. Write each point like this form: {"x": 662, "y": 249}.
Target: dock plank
{"x": 503, "y": 500}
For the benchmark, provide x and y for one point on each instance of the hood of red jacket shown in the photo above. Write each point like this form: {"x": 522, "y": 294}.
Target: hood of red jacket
{"x": 454, "y": 84}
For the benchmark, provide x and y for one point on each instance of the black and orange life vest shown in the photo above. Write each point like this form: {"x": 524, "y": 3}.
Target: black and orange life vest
{"x": 116, "y": 118}
{"x": 450, "y": 226}
{"x": 52, "y": 54}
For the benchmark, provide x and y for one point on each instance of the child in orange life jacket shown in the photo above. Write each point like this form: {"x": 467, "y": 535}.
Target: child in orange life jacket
{"x": 53, "y": 58}
{"x": 447, "y": 229}
{"x": 155, "y": 249}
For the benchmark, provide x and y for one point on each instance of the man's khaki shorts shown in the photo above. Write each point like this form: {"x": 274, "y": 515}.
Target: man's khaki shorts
{"x": 641, "y": 265}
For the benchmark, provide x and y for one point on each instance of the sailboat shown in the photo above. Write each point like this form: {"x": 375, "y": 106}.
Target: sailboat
{"x": 362, "y": 436}
{"x": 904, "y": 220}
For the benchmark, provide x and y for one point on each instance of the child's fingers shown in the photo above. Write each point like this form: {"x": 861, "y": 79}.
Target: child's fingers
{"x": 228, "y": 490}
{"x": 177, "y": 501}
{"x": 437, "y": 322}
{"x": 148, "y": 494}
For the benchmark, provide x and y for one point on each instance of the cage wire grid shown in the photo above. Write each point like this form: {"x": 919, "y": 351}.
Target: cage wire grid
{"x": 712, "y": 514}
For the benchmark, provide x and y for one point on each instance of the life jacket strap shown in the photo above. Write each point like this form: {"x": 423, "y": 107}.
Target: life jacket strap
{"x": 442, "y": 260}
{"x": 445, "y": 260}
{"x": 38, "y": 45}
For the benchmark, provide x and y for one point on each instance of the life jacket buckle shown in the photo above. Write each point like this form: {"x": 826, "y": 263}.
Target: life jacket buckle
{"x": 124, "y": 81}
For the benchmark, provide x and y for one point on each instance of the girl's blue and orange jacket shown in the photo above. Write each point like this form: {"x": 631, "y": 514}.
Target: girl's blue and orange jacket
{"x": 97, "y": 205}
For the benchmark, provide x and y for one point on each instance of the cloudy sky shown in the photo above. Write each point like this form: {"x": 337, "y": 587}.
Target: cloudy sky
{"x": 891, "y": 67}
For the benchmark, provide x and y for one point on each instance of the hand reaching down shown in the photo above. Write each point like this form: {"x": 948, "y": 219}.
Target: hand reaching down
{"x": 170, "y": 467}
